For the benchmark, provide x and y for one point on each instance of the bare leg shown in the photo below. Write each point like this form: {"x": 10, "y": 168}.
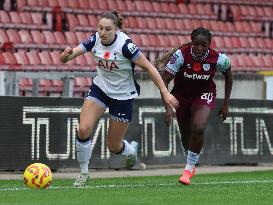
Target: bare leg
{"x": 116, "y": 133}
{"x": 185, "y": 130}
{"x": 90, "y": 113}
{"x": 116, "y": 144}
{"x": 183, "y": 116}
{"x": 199, "y": 119}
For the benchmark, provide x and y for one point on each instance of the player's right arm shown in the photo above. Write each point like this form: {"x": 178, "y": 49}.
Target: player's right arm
{"x": 85, "y": 46}
{"x": 71, "y": 53}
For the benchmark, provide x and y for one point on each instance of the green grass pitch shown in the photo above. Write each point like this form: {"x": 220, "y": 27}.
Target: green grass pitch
{"x": 249, "y": 188}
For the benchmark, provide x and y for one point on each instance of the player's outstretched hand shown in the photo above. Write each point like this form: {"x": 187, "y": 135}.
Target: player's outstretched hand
{"x": 67, "y": 52}
{"x": 223, "y": 112}
{"x": 169, "y": 100}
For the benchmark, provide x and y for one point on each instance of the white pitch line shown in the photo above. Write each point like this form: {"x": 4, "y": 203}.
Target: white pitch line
{"x": 143, "y": 185}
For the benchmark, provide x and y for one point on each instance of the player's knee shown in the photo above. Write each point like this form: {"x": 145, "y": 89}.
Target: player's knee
{"x": 198, "y": 130}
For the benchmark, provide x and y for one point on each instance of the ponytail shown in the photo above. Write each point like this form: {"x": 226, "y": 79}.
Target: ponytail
{"x": 120, "y": 18}
{"x": 161, "y": 62}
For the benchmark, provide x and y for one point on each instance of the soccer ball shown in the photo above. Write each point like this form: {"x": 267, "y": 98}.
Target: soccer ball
{"x": 37, "y": 176}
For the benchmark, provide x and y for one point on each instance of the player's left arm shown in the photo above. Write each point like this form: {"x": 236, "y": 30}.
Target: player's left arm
{"x": 167, "y": 97}
{"x": 132, "y": 52}
{"x": 224, "y": 66}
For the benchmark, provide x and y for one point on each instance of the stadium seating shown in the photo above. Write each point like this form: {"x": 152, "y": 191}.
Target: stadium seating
{"x": 30, "y": 42}
{"x": 22, "y": 20}
{"x": 169, "y": 26}
{"x": 135, "y": 8}
{"x": 3, "y": 36}
{"x": 71, "y": 37}
{"x": 54, "y": 87}
{"x": 236, "y": 2}
{"x": 242, "y": 12}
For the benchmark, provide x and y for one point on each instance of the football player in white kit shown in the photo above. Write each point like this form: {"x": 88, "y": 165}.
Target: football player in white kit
{"x": 113, "y": 87}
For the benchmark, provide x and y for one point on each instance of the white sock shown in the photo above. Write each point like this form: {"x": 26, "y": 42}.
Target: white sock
{"x": 185, "y": 151}
{"x": 192, "y": 159}
{"x": 83, "y": 154}
{"x": 128, "y": 149}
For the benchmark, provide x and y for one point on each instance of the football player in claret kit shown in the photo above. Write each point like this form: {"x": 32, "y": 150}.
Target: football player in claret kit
{"x": 193, "y": 66}
{"x": 114, "y": 87}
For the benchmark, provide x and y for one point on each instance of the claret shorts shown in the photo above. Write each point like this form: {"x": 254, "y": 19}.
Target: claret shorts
{"x": 185, "y": 104}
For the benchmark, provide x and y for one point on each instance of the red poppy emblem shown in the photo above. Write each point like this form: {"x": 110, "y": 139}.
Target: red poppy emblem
{"x": 197, "y": 67}
{"x": 106, "y": 55}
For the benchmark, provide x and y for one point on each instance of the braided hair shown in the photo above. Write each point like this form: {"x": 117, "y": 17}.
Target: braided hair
{"x": 162, "y": 61}
{"x": 201, "y": 31}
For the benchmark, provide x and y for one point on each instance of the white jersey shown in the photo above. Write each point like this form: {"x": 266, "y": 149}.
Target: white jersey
{"x": 115, "y": 65}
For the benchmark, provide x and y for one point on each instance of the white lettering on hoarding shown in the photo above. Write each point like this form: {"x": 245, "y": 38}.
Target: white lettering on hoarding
{"x": 237, "y": 143}
{"x": 145, "y": 121}
{"x": 150, "y": 124}
{"x": 72, "y": 125}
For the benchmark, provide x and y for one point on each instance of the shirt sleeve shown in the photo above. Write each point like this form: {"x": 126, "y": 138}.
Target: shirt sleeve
{"x": 88, "y": 44}
{"x": 175, "y": 62}
{"x": 223, "y": 63}
{"x": 130, "y": 50}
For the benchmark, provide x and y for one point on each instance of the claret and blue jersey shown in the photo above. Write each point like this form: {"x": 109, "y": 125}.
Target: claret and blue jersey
{"x": 193, "y": 75}
{"x": 115, "y": 65}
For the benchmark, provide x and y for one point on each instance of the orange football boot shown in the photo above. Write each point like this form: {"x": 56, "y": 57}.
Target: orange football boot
{"x": 193, "y": 173}
{"x": 185, "y": 178}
